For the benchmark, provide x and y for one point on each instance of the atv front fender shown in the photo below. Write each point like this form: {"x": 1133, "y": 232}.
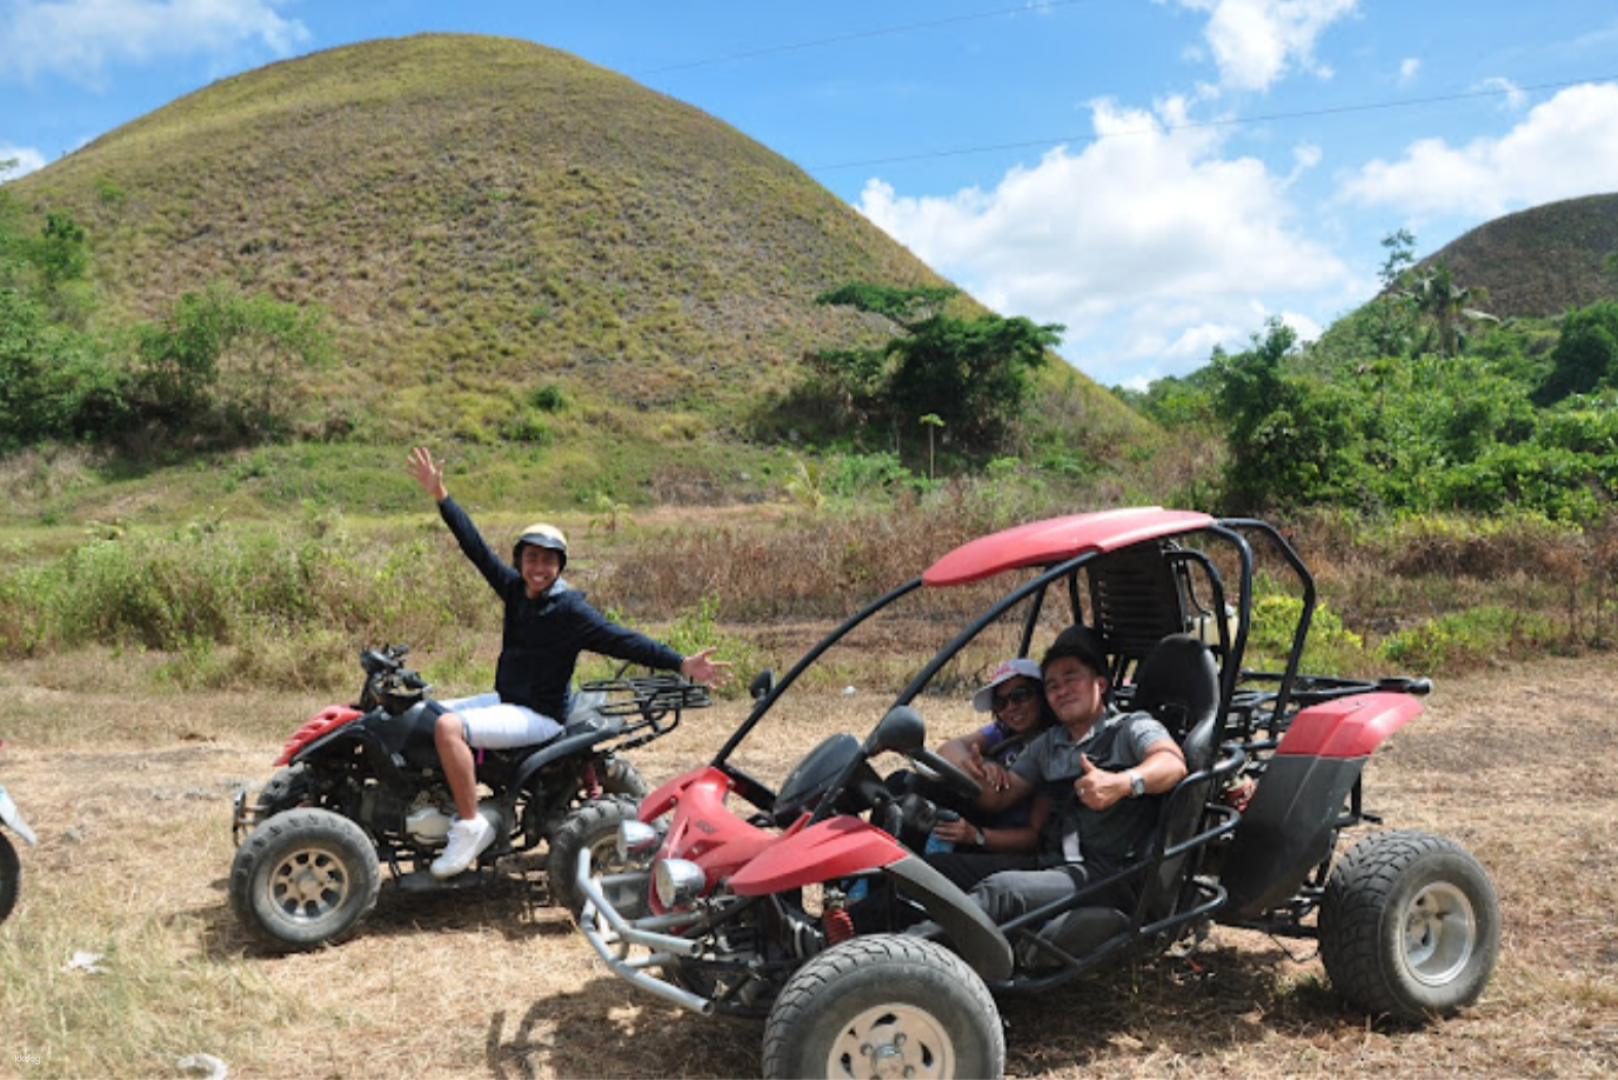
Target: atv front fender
{"x": 1289, "y": 827}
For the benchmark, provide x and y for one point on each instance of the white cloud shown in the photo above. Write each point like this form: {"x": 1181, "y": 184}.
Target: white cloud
{"x": 1409, "y": 69}
{"x": 80, "y": 39}
{"x": 1512, "y": 96}
{"x": 26, "y": 157}
{"x": 1563, "y": 148}
{"x": 1256, "y": 42}
{"x": 1149, "y": 245}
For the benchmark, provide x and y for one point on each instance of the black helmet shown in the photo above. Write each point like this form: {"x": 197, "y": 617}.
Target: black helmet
{"x": 540, "y": 535}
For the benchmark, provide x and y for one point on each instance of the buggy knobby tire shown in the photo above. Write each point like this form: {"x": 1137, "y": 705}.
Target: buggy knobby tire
{"x": 884, "y": 1005}
{"x": 593, "y": 827}
{"x": 1409, "y": 926}
{"x": 304, "y": 878}
{"x": 10, "y": 876}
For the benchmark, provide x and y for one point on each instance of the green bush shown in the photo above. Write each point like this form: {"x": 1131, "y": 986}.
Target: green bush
{"x": 1469, "y": 639}
{"x": 1331, "y": 647}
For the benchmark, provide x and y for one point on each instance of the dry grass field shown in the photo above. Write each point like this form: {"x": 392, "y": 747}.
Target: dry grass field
{"x": 130, "y": 794}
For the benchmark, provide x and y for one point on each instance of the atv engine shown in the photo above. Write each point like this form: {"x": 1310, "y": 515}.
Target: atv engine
{"x": 428, "y": 824}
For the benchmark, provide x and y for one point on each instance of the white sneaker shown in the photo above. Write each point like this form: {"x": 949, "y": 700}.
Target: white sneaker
{"x": 467, "y": 839}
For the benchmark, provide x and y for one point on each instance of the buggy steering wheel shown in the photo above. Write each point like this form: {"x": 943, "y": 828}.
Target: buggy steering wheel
{"x": 943, "y": 769}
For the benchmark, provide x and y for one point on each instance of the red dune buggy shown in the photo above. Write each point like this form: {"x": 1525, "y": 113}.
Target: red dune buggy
{"x": 729, "y": 895}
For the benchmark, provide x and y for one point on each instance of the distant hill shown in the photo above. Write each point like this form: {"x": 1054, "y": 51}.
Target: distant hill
{"x": 486, "y": 218}
{"x": 1539, "y": 262}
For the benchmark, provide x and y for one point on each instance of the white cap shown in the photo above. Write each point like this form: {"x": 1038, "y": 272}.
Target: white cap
{"x": 983, "y": 700}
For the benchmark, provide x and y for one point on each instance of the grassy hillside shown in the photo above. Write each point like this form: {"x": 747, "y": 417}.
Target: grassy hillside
{"x": 1542, "y": 262}
{"x": 490, "y": 221}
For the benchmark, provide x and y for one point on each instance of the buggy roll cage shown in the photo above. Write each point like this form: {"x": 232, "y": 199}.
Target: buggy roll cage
{"x": 1102, "y": 545}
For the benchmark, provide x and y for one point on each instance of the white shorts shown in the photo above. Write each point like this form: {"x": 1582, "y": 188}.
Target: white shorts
{"x": 497, "y": 725}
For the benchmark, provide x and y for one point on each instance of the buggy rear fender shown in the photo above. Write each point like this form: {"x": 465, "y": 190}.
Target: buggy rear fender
{"x": 1289, "y": 827}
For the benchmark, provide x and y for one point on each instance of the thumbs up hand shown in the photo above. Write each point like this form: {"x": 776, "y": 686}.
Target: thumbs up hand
{"x": 1098, "y": 788}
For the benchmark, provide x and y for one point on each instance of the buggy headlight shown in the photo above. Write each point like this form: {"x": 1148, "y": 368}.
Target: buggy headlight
{"x": 678, "y": 882}
{"x": 637, "y": 840}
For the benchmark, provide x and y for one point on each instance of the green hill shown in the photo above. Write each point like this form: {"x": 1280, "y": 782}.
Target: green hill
{"x": 1539, "y": 262}
{"x": 486, "y": 219}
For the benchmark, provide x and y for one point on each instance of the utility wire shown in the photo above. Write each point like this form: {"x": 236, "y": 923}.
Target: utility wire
{"x": 1236, "y": 121}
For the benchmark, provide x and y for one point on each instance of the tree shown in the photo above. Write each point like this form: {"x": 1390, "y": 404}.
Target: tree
{"x": 933, "y": 422}
{"x": 1292, "y": 441}
{"x": 1443, "y": 303}
{"x": 1586, "y": 355}
{"x": 973, "y": 374}
{"x": 1391, "y": 323}
{"x": 219, "y": 365}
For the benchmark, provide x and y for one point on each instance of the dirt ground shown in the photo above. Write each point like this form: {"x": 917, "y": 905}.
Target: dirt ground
{"x": 131, "y": 801}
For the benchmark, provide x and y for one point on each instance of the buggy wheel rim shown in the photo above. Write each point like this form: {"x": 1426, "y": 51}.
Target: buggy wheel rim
{"x": 892, "y": 1041}
{"x": 309, "y": 884}
{"x": 1440, "y": 934}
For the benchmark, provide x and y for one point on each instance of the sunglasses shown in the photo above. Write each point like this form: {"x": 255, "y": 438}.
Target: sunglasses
{"x": 1015, "y": 696}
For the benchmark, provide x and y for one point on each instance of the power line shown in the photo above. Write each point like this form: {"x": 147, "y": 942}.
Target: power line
{"x": 860, "y": 35}
{"x": 1264, "y": 118}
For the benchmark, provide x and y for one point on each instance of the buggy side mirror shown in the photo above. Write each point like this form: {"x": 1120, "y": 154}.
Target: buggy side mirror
{"x": 902, "y": 730}
{"x": 761, "y": 685}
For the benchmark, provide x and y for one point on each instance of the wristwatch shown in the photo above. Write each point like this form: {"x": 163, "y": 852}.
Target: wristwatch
{"x": 1137, "y": 783}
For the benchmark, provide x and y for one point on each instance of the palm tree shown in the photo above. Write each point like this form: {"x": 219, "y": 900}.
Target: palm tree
{"x": 1443, "y": 303}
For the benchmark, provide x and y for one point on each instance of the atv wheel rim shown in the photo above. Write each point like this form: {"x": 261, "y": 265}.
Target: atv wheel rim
{"x": 309, "y": 884}
{"x": 1441, "y": 931}
{"x": 892, "y": 1041}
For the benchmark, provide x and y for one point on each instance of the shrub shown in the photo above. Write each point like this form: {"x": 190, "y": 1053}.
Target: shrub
{"x": 1471, "y": 638}
{"x": 1331, "y": 647}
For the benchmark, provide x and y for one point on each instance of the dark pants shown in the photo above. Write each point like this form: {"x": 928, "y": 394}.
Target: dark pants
{"x": 967, "y": 868}
{"x": 1010, "y": 893}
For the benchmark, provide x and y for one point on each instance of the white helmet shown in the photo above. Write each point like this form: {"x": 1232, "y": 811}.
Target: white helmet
{"x": 540, "y": 535}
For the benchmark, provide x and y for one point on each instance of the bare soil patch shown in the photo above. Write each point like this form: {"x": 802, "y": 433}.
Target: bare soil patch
{"x": 130, "y": 796}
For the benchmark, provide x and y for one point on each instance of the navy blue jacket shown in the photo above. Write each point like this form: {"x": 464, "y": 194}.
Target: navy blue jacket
{"x": 541, "y": 638}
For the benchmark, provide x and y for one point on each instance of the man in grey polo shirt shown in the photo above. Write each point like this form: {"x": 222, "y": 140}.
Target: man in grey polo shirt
{"x": 1097, "y": 766}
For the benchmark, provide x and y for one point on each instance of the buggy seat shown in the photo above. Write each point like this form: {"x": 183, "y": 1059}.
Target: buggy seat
{"x": 1178, "y": 683}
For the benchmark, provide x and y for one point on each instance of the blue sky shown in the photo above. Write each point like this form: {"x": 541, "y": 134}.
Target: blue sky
{"x": 1161, "y": 176}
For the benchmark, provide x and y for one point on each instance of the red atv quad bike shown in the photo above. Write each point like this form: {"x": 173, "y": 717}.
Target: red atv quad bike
{"x": 360, "y": 787}
{"x": 730, "y": 896}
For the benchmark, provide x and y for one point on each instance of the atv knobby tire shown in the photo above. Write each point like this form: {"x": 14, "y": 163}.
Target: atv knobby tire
{"x": 304, "y": 878}
{"x": 593, "y": 827}
{"x": 1409, "y": 926}
{"x": 10, "y": 877}
{"x": 288, "y": 788}
{"x": 620, "y": 777}
{"x": 884, "y": 1005}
